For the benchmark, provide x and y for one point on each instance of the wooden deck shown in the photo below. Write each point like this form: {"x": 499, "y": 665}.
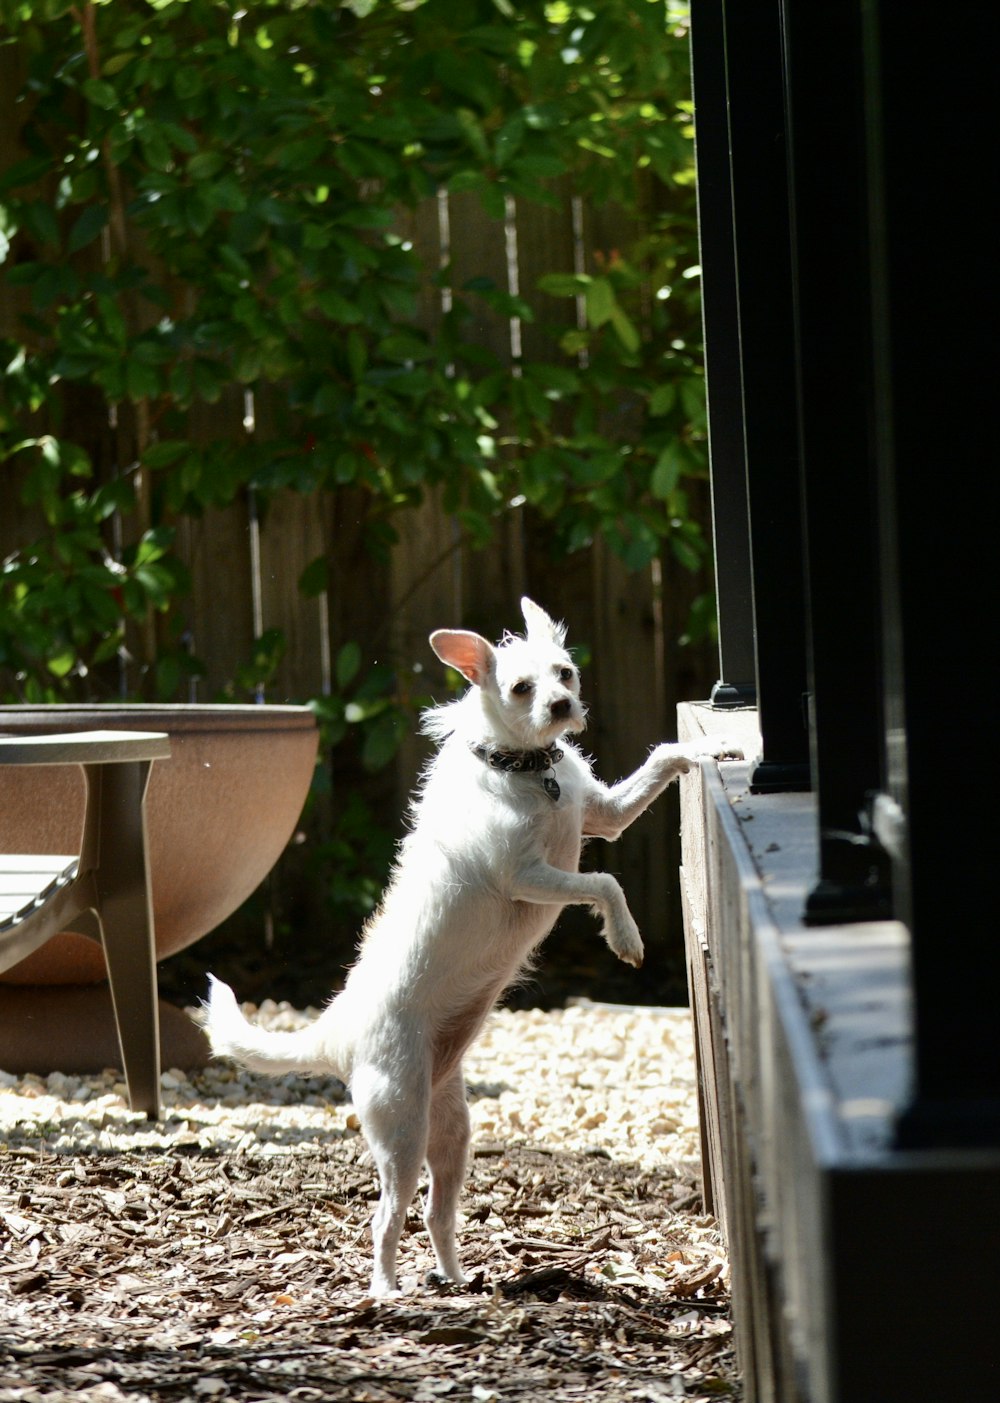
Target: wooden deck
{"x": 862, "y": 1274}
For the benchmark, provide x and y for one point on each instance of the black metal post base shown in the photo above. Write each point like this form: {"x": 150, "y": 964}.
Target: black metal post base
{"x": 731, "y": 695}
{"x": 855, "y": 882}
{"x": 833, "y": 903}
{"x": 780, "y": 777}
{"x": 959, "y": 1124}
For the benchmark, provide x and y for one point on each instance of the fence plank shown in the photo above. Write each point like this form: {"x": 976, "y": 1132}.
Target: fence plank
{"x": 477, "y": 248}
{"x": 546, "y": 243}
{"x": 219, "y": 629}
{"x": 291, "y": 537}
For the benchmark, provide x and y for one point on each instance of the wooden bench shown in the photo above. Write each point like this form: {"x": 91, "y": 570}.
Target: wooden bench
{"x": 102, "y": 892}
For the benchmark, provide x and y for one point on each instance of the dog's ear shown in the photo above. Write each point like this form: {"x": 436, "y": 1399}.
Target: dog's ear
{"x": 466, "y": 652}
{"x": 539, "y": 625}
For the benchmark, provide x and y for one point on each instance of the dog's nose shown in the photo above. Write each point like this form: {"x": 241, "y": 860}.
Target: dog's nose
{"x": 560, "y": 708}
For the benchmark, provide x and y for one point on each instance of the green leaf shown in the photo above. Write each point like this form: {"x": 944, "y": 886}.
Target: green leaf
{"x": 663, "y": 399}
{"x": 62, "y": 664}
{"x": 113, "y": 319}
{"x": 626, "y": 329}
{"x": 692, "y": 393}
{"x": 155, "y": 148}
{"x": 235, "y": 262}
{"x": 348, "y": 663}
{"x": 297, "y": 155}
{"x": 188, "y": 82}
{"x": 101, "y": 94}
{"x": 337, "y": 307}
{"x": 154, "y": 545}
{"x": 25, "y": 172}
{"x": 168, "y": 676}
{"x": 685, "y": 552}
{"x": 162, "y": 454}
{"x": 225, "y": 194}
{"x": 469, "y": 76}
{"x": 62, "y": 455}
{"x": 40, "y": 220}
{"x": 600, "y": 302}
{"x": 509, "y": 138}
{"x": 117, "y": 495}
{"x": 538, "y": 166}
{"x": 315, "y": 578}
{"x": 24, "y": 274}
{"x": 158, "y": 583}
{"x": 667, "y": 470}
{"x": 141, "y": 381}
{"x": 87, "y": 227}
{"x": 404, "y": 346}
{"x": 557, "y": 380}
{"x": 564, "y": 284}
{"x": 205, "y": 165}
{"x": 381, "y": 741}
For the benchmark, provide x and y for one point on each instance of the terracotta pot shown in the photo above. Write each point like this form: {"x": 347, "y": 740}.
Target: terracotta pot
{"x": 219, "y": 812}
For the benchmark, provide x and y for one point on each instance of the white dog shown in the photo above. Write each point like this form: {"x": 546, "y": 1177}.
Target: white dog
{"x": 491, "y": 859}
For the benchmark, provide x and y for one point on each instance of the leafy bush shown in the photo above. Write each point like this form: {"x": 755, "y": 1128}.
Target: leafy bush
{"x": 208, "y": 200}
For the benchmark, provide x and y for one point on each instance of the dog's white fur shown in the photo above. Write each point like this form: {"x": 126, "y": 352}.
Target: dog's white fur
{"x": 490, "y": 861}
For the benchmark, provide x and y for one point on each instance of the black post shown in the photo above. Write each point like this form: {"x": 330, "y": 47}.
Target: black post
{"x": 720, "y": 317}
{"x": 834, "y": 360}
{"x": 761, "y": 240}
{"x": 934, "y": 266}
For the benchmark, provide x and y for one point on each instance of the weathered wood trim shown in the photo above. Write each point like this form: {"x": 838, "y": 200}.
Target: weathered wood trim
{"x": 842, "y": 1246}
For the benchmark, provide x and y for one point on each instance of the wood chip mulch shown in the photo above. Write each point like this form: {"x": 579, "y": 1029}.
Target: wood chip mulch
{"x": 189, "y": 1265}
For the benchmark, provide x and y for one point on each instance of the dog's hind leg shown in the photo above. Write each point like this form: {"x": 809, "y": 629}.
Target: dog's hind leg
{"x": 447, "y": 1163}
{"x": 395, "y": 1121}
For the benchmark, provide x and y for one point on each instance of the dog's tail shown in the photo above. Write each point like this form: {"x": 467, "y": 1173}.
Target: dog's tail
{"x": 258, "y": 1049}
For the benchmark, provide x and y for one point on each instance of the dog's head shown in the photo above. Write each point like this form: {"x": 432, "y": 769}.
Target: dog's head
{"x": 529, "y": 687}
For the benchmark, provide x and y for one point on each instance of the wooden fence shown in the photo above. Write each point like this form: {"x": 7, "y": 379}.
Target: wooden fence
{"x": 245, "y": 562}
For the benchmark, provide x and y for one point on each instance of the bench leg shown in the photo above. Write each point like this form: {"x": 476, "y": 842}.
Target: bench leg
{"x": 126, "y": 916}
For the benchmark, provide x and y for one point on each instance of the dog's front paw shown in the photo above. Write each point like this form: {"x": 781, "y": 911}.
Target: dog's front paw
{"x": 624, "y": 939}
{"x": 715, "y": 748}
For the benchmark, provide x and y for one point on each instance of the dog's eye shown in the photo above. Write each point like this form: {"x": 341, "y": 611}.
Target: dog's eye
{"x": 566, "y": 675}
{"x": 521, "y": 689}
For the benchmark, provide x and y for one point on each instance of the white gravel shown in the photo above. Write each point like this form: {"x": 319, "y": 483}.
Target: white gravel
{"x": 588, "y": 1077}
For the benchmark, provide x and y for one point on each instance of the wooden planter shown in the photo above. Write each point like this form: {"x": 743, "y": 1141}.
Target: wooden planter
{"x": 219, "y": 813}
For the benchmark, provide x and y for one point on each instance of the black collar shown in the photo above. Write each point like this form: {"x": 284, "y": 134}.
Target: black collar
{"x": 519, "y": 760}
{"x": 524, "y": 762}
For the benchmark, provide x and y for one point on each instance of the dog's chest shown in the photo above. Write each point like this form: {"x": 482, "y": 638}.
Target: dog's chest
{"x": 474, "y": 816}
{"x": 550, "y": 822}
